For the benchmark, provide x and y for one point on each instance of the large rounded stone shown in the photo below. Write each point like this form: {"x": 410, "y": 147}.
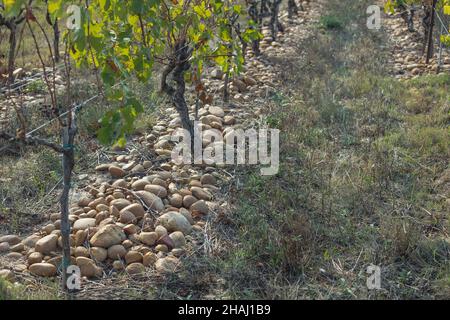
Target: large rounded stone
{"x": 152, "y": 201}
{"x": 120, "y": 203}
{"x": 167, "y": 265}
{"x": 201, "y": 194}
{"x": 174, "y": 221}
{"x": 108, "y": 236}
{"x": 116, "y": 172}
{"x": 178, "y": 239}
{"x": 43, "y": 269}
{"x": 133, "y": 256}
{"x": 47, "y": 244}
{"x": 136, "y": 209}
{"x": 99, "y": 254}
{"x": 35, "y": 257}
{"x": 83, "y": 224}
{"x": 116, "y": 252}
{"x": 135, "y": 269}
{"x": 127, "y": 217}
{"x": 149, "y": 259}
{"x": 200, "y": 206}
{"x": 11, "y": 239}
{"x": 156, "y": 190}
{"x": 88, "y": 267}
{"x": 148, "y": 238}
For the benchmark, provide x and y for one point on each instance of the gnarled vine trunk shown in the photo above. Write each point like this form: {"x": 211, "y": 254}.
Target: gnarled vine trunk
{"x": 177, "y": 69}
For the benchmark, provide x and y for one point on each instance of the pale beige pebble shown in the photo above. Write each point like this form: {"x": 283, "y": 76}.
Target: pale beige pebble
{"x": 157, "y": 190}
{"x": 101, "y": 216}
{"x": 129, "y": 165}
{"x": 208, "y": 179}
{"x": 48, "y": 228}
{"x": 107, "y": 236}
{"x": 127, "y": 217}
{"x": 176, "y": 200}
{"x": 159, "y": 182}
{"x": 88, "y": 268}
{"x": 21, "y": 267}
{"x": 164, "y": 175}
{"x": 43, "y": 269}
{"x": 161, "y": 231}
{"x": 131, "y": 229}
{"x": 149, "y": 259}
{"x": 187, "y": 214}
{"x": 175, "y": 221}
{"x": 152, "y": 201}
{"x": 47, "y": 244}
{"x": 143, "y": 249}
{"x": 118, "y": 265}
{"x": 138, "y": 168}
{"x": 140, "y": 184}
{"x": 80, "y": 237}
{"x": 136, "y": 209}
{"x": 8, "y": 275}
{"x": 201, "y": 194}
{"x": 120, "y": 203}
{"x": 35, "y": 257}
{"x": 178, "y": 239}
{"x": 148, "y": 238}
{"x": 121, "y": 183}
{"x": 98, "y": 254}
{"x": 102, "y": 207}
{"x": 4, "y": 247}
{"x": 81, "y": 252}
{"x": 178, "y": 252}
{"x": 17, "y": 247}
{"x": 168, "y": 264}
{"x": 195, "y": 183}
{"x": 14, "y": 256}
{"x": 162, "y": 248}
{"x": 116, "y": 251}
{"x": 114, "y": 211}
{"x": 56, "y": 216}
{"x": 115, "y": 195}
{"x": 135, "y": 269}
{"x": 133, "y": 256}
{"x": 200, "y": 206}
{"x": 83, "y": 224}
{"x": 11, "y": 239}
{"x": 128, "y": 243}
{"x": 189, "y": 200}
{"x": 116, "y": 172}
{"x": 216, "y": 111}
{"x": 94, "y": 203}
{"x": 30, "y": 241}
{"x": 185, "y": 192}
{"x": 84, "y": 202}
{"x": 147, "y": 164}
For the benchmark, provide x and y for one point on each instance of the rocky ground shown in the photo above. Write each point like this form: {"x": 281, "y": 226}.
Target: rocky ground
{"x": 407, "y": 58}
{"x": 140, "y": 215}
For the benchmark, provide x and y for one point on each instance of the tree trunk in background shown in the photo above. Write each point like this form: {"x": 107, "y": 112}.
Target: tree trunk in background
{"x": 12, "y": 51}
{"x": 275, "y": 24}
{"x": 56, "y": 34}
{"x": 292, "y": 9}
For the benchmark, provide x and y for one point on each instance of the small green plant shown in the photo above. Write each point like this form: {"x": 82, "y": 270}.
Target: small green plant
{"x": 331, "y": 22}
